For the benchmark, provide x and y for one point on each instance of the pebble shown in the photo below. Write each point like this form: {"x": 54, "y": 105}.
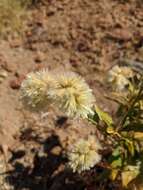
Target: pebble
{"x": 56, "y": 150}
{"x": 16, "y": 83}
{"x": 3, "y": 75}
{"x": 40, "y": 56}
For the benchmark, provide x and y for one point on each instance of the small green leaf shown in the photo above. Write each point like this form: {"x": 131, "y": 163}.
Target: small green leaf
{"x": 93, "y": 118}
{"x": 114, "y": 173}
{"x": 117, "y": 162}
{"x": 129, "y": 173}
{"x": 134, "y": 126}
{"x": 138, "y": 135}
{"x": 116, "y": 151}
{"x": 130, "y": 146}
{"x": 103, "y": 116}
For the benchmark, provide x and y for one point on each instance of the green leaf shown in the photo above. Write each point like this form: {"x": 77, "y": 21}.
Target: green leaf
{"x": 116, "y": 151}
{"x": 103, "y": 116}
{"x": 114, "y": 173}
{"x": 129, "y": 173}
{"x": 93, "y": 118}
{"x": 117, "y": 162}
{"x": 130, "y": 146}
{"x": 135, "y": 127}
{"x": 138, "y": 135}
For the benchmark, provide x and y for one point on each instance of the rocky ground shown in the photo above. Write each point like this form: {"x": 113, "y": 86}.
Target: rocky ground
{"x": 85, "y": 36}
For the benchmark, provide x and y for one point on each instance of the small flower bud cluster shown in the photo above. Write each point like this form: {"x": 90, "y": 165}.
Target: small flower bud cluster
{"x": 119, "y": 77}
{"x": 84, "y": 154}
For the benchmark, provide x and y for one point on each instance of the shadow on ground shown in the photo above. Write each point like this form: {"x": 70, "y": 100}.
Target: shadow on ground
{"x": 41, "y": 176}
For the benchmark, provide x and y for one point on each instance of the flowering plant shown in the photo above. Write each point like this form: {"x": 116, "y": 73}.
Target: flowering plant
{"x": 122, "y": 135}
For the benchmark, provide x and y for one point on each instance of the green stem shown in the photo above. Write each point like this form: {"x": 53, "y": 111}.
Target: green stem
{"x": 131, "y": 106}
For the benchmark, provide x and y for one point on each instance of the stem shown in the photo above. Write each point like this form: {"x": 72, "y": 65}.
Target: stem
{"x": 92, "y": 121}
{"x": 132, "y": 105}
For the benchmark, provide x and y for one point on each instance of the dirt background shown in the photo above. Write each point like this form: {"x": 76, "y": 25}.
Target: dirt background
{"x": 85, "y": 36}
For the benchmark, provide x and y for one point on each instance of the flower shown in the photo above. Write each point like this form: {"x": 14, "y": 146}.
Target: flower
{"x": 73, "y": 95}
{"x": 84, "y": 154}
{"x": 36, "y": 89}
{"x": 67, "y": 90}
{"x": 119, "y": 77}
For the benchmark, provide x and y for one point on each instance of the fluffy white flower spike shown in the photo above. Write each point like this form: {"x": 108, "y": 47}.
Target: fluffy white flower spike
{"x": 36, "y": 89}
{"x": 119, "y": 77}
{"x": 73, "y": 96}
{"x": 84, "y": 154}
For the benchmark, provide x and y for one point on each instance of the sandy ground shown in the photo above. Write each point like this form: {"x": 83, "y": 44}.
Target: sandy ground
{"x": 85, "y": 36}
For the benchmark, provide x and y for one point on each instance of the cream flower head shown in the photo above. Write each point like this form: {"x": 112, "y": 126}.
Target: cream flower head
{"x": 84, "y": 154}
{"x": 73, "y": 95}
{"x": 36, "y": 89}
{"x": 119, "y": 77}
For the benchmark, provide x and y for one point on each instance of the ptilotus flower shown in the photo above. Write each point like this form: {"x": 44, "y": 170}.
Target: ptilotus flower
{"x": 84, "y": 154}
{"x": 36, "y": 89}
{"x": 73, "y": 95}
{"x": 119, "y": 77}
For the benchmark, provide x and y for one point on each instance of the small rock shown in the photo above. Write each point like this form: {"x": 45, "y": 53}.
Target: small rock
{"x": 40, "y": 56}
{"x": 15, "y": 84}
{"x": 39, "y": 67}
{"x": 56, "y": 150}
{"x": 120, "y": 34}
{"x": 15, "y": 43}
{"x": 73, "y": 63}
{"x": 60, "y": 169}
{"x": 3, "y": 75}
{"x": 4, "y": 64}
